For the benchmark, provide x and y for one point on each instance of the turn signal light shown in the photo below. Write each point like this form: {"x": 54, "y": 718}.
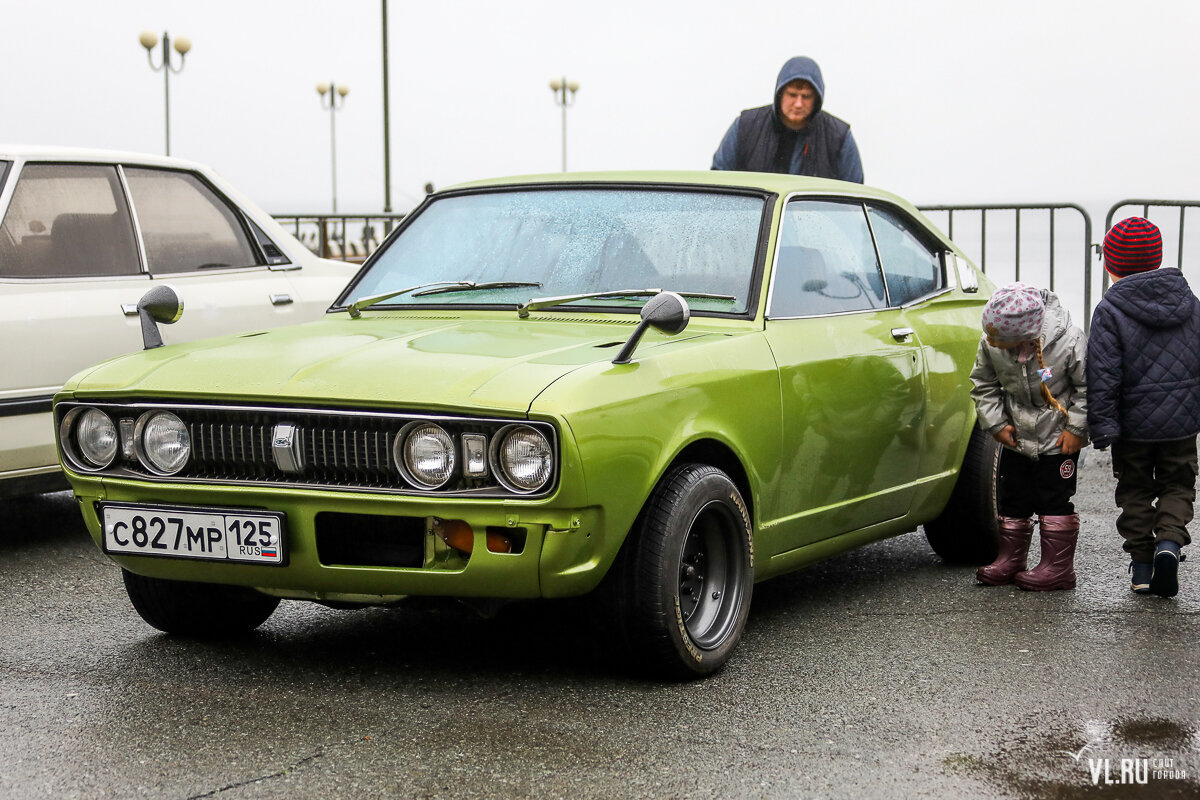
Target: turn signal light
{"x": 458, "y": 534}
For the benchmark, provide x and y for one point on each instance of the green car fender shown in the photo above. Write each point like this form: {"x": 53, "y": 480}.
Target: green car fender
{"x": 713, "y": 399}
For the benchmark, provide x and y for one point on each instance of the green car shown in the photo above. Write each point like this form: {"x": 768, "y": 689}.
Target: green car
{"x": 652, "y": 388}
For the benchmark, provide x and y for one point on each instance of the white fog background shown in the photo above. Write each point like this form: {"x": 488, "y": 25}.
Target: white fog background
{"x": 951, "y": 101}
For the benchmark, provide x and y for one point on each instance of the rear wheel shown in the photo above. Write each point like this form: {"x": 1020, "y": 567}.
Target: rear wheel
{"x": 687, "y": 574}
{"x": 966, "y": 531}
{"x": 197, "y": 609}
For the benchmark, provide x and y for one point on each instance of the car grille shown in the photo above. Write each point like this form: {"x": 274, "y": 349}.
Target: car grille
{"x": 330, "y": 449}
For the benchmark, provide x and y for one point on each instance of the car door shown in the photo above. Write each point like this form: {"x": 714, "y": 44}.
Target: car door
{"x": 68, "y": 262}
{"x": 197, "y": 241}
{"x": 851, "y": 374}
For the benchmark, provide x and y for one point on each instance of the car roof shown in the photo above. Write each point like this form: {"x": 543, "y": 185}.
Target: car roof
{"x": 88, "y": 154}
{"x": 771, "y": 182}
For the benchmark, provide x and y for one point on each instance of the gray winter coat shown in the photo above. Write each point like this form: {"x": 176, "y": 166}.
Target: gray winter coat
{"x": 1007, "y": 392}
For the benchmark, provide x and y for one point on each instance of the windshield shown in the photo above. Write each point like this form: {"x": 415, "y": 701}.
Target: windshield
{"x": 572, "y": 241}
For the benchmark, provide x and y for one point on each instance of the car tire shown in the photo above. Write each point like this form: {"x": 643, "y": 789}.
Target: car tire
{"x": 966, "y": 531}
{"x": 197, "y": 609}
{"x": 687, "y": 574}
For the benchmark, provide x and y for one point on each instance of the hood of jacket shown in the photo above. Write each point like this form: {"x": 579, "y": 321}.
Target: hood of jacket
{"x": 1160, "y": 298}
{"x": 1057, "y": 320}
{"x": 800, "y": 68}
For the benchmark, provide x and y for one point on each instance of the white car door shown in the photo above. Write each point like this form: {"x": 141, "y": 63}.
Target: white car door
{"x": 68, "y": 262}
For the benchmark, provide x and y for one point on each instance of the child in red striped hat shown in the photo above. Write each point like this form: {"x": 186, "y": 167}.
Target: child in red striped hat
{"x": 1143, "y": 376}
{"x": 1030, "y": 394}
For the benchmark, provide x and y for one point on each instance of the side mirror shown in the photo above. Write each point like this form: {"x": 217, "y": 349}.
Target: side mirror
{"x": 666, "y": 312}
{"x": 160, "y": 304}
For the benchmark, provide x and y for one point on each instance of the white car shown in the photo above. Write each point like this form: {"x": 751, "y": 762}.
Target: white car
{"x": 84, "y": 234}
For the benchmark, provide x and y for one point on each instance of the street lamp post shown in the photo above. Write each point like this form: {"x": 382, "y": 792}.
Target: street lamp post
{"x": 334, "y": 91}
{"x": 182, "y": 46}
{"x": 564, "y": 96}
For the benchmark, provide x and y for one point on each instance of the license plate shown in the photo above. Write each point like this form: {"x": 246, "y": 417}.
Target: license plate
{"x": 205, "y": 533}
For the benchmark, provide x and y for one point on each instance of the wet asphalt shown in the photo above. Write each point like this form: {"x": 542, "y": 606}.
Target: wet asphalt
{"x": 883, "y": 673}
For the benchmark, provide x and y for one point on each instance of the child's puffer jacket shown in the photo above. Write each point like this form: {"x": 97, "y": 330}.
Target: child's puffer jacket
{"x": 1145, "y": 375}
{"x": 1007, "y": 392}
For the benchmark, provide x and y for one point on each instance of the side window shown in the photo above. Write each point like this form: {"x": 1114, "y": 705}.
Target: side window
{"x": 185, "y": 225}
{"x": 66, "y": 221}
{"x": 826, "y": 262}
{"x": 913, "y": 270}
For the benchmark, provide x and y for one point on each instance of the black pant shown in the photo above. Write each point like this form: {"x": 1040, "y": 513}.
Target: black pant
{"x": 1042, "y": 486}
{"x": 1149, "y": 471}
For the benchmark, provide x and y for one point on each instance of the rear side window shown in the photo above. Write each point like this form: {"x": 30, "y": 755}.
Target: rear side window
{"x": 67, "y": 221}
{"x": 186, "y": 226}
{"x": 913, "y": 270}
{"x": 826, "y": 262}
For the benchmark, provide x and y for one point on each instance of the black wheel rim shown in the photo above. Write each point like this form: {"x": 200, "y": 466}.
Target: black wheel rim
{"x": 712, "y": 575}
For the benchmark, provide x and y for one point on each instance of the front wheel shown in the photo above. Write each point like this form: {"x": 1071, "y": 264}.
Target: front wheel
{"x": 688, "y": 574}
{"x": 197, "y": 609}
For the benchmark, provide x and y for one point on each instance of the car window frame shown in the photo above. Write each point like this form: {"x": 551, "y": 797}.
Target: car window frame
{"x": 249, "y": 229}
{"x": 753, "y": 295}
{"x": 848, "y": 200}
{"x": 6, "y": 195}
{"x": 926, "y": 240}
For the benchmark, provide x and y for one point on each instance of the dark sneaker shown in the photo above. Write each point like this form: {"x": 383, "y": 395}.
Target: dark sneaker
{"x": 1164, "y": 581}
{"x": 1140, "y": 572}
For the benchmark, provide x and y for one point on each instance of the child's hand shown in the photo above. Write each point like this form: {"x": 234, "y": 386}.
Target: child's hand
{"x": 1007, "y": 436}
{"x": 1069, "y": 442}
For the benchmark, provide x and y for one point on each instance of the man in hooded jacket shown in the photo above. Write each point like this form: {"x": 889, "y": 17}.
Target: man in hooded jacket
{"x": 794, "y": 135}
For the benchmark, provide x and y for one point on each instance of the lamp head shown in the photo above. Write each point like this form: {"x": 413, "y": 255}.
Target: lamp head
{"x": 182, "y": 45}
{"x": 148, "y": 40}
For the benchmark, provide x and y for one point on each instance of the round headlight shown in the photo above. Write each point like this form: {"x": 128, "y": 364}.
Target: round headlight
{"x": 426, "y": 455}
{"x": 164, "y": 444}
{"x": 524, "y": 457}
{"x": 96, "y": 438}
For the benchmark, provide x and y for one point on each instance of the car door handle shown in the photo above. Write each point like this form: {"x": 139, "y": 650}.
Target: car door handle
{"x": 129, "y": 309}
{"x": 281, "y": 299}
{"x": 901, "y": 334}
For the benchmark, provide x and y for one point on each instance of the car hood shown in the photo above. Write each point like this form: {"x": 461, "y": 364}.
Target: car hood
{"x": 432, "y": 362}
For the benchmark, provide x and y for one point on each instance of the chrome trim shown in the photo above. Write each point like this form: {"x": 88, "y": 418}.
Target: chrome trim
{"x": 287, "y": 448}
{"x": 143, "y": 257}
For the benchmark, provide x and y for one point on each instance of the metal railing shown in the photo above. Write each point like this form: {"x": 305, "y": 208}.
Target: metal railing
{"x": 1039, "y": 240}
{"x": 345, "y": 237}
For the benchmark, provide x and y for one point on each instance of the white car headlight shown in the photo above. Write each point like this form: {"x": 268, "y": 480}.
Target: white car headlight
{"x": 523, "y": 458}
{"x": 163, "y": 442}
{"x": 425, "y": 454}
{"x": 96, "y": 438}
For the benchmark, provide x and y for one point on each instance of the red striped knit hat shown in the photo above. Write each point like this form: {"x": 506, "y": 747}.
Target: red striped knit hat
{"x": 1133, "y": 245}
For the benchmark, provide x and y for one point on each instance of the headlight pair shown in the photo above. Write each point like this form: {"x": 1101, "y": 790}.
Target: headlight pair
{"x": 520, "y": 457}
{"x": 158, "y": 439}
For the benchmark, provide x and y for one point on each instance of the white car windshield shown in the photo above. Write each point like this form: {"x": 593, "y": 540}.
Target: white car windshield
{"x": 573, "y": 241}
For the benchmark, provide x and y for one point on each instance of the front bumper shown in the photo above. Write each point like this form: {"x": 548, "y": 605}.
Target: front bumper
{"x": 558, "y": 551}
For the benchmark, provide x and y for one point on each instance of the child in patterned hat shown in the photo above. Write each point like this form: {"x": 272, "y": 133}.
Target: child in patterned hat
{"x": 1144, "y": 374}
{"x": 1030, "y": 394}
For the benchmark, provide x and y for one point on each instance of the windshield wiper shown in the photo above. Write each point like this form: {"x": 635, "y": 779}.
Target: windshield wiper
{"x": 545, "y": 302}
{"x": 470, "y": 286}
{"x": 357, "y": 306}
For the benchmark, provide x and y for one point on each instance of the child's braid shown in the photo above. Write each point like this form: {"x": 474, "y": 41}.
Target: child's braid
{"x": 1046, "y": 389}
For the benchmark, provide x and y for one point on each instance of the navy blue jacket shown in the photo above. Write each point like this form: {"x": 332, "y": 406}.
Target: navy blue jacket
{"x": 1143, "y": 363}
